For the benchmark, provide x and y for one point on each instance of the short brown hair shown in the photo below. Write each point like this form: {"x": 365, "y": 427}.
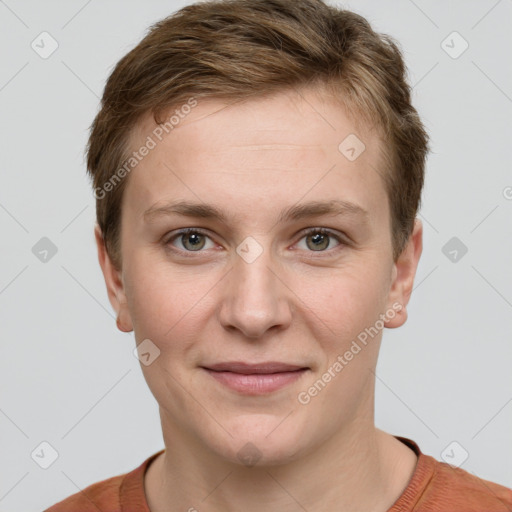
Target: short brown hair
{"x": 244, "y": 48}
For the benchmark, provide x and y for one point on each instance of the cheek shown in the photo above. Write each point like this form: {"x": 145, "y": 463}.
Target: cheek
{"x": 166, "y": 303}
{"x": 168, "y": 308}
{"x": 345, "y": 301}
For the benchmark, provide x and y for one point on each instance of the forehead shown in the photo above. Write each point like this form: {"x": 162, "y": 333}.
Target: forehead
{"x": 305, "y": 117}
{"x": 280, "y": 147}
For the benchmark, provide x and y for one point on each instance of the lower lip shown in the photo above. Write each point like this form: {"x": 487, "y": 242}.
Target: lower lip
{"x": 256, "y": 383}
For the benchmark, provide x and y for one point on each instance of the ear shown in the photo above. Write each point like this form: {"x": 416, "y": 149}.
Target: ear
{"x": 114, "y": 282}
{"x": 404, "y": 271}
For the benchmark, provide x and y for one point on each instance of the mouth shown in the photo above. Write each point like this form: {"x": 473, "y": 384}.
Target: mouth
{"x": 255, "y": 379}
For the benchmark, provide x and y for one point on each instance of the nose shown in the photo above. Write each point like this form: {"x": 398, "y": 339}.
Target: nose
{"x": 256, "y": 298}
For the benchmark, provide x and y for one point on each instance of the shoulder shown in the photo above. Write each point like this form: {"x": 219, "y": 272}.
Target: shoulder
{"x": 102, "y": 496}
{"x": 440, "y": 487}
{"x": 111, "y": 495}
{"x": 452, "y": 488}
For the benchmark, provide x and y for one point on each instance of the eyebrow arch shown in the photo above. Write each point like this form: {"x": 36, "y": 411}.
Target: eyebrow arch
{"x": 295, "y": 212}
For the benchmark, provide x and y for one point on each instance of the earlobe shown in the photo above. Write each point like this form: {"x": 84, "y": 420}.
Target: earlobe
{"x": 121, "y": 326}
{"x": 404, "y": 272}
{"x": 114, "y": 283}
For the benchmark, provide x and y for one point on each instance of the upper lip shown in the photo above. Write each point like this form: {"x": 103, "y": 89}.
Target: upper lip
{"x": 246, "y": 368}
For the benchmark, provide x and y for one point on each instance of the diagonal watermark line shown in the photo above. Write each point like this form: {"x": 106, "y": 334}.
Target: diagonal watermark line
{"x": 216, "y": 487}
{"x": 76, "y": 14}
{"x": 330, "y": 330}
{"x": 198, "y": 402}
{"x": 501, "y": 409}
{"x": 429, "y": 223}
{"x": 484, "y": 218}
{"x": 377, "y": 172}
{"x": 425, "y": 278}
{"x": 74, "y": 218}
{"x": 14, "y": 76}
{"x": 424, "y": 14}
{"x": 14, "y": 485}
{"x": 82, "y": 492}
{"x": 492, "y": 81}
{"x": 170, "y": 170}
{"x": 426, "y": 74}
{"x": 14, "y": 423}
{"x": 456, "y": 469}
{"x": 280, "y": 423}
{"x": 118, "y": 381}
{"x": 494, "y": 288}
{"x": 88, "y": 292}
{"x": 304, "y": 99}
{"x": 404, "y": 403}
{"x": 80, "y": 79}
{"x": 226, "y": 106}
{"x": 483, "y": 482}
{"x": 485, "y": 15}
{"x": 198, "y": 301}
{"x": 13, "y": 13}
{"x": 286, "y": 491}
{"x": 14, "y": 218}
{"x": 13, "y": 279}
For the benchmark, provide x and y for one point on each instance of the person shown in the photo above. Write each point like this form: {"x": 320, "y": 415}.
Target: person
{"x": 258, "y": 167}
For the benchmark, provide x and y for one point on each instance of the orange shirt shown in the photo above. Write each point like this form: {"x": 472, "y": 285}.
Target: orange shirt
{"x": 434, "y": 487}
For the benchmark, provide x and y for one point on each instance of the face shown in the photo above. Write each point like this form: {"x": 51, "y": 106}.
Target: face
{"x": 254, "y": 311}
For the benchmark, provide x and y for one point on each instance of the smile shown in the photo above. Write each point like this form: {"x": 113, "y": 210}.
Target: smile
{"x": 255, "y": 379}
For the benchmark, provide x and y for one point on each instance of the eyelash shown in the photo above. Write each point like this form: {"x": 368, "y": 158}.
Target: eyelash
{"x": 309, "y": 231}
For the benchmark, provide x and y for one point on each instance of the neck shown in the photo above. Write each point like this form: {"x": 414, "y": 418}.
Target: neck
{"x": 359, "y": 468}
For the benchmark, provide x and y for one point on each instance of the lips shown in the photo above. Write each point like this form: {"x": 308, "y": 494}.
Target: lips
{"x": 249, "y": 369}
{"x": 255, "y": 379}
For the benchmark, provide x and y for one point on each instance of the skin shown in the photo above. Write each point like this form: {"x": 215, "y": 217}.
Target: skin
{"x": 294, "y": 303}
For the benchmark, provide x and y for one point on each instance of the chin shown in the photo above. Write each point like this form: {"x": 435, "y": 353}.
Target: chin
{"x": 261, "y": 453}
{"x": 261, "y": 440}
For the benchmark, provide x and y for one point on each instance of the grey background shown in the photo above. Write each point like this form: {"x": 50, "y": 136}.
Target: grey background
{"x": 68, "y": 376}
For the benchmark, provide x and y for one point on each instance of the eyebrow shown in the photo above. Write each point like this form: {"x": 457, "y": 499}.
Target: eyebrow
{"x": 334, "y": 207}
